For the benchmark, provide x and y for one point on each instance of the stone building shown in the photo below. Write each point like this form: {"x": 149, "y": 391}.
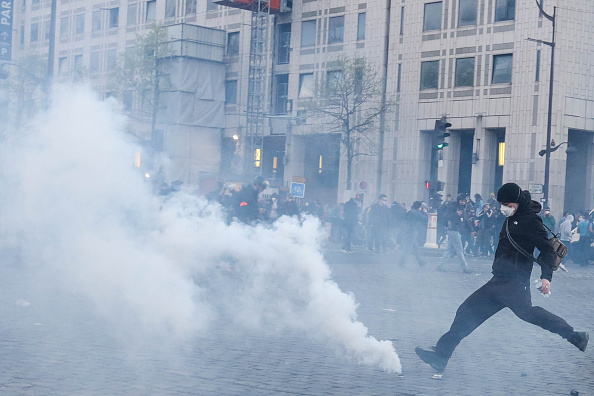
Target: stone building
{"x": 481, "y": 65}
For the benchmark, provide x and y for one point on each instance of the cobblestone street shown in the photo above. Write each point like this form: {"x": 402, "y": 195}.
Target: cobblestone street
{"x": 58, "y": 345}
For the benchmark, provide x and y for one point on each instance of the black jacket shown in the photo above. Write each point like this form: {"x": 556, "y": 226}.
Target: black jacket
{"x": 526, "y": 229}
{"x": 246, "y": 204}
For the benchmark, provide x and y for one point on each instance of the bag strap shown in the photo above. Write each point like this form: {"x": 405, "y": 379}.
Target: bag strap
{"x": 552, "y": 232}
{"x": 515, "y": 245}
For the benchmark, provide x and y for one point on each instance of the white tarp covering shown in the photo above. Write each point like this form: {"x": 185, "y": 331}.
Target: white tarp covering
{"x": 191, "y": 151}
{"x": 192, "y": 116}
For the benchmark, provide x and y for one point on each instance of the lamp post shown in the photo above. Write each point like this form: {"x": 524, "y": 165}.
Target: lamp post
{"x": 545, "y": 188}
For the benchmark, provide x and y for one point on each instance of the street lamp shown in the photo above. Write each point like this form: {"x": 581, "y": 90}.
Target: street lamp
{"x": 548, "y": 150}
{"x": 553, "y": 148}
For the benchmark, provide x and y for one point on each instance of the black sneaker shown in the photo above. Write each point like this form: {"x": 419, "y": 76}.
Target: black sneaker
{"x": 432, "y": 358}
{"x": 579, "y": 339}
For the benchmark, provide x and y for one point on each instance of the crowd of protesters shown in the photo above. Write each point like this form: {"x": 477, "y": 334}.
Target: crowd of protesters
{"x": 470, "y": 225}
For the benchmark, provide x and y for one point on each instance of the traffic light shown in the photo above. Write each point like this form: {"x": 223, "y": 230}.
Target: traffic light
{"x": 441, "y": 133}
{"x": 434, "y": 186}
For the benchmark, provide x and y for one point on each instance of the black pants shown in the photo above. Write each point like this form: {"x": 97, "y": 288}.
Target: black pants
{"x": 491, "y": 298}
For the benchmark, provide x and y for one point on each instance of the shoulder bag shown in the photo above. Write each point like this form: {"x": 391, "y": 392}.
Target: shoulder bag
{"x": 558, "y": 246}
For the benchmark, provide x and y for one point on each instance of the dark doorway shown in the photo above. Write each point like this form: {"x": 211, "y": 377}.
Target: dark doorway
{"x": 322, "y": 159}
{"x": 577, "y": 170}
{"x": 465, "y": 167}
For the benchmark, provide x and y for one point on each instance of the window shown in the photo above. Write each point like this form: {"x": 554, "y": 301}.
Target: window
{"x": 64, "y": 25}
{"x": 399, "y": 78}
{"x": 502, "y": 69}
{"x": 62, "y": 65}
{"x": 79, "y": 23}
{"x": 114, "y": 17}
{"x": 333, "y": 80}
{"x": 131, "y": 17}
{"x": 505, "y": 10}
{"x": 537, "y": 65}
{"x": 22, "y": 35}
{"x": 432, "y": 17}
{"x": 336, "y": 30}
{"x": 170, "y": 8}
{"x": 284, "y": 43}
{"x": 46, "y": 28}
{"x": 96, "y": 21}
{"x": 464, "y": 72}
{"x": 210, "y": 6}
{"x": 34, "y": 32}
{"x": 233, "y": 44}
{"x": 467, "y": 13}
{"x": 190, "y": 7}
{"x": 282, "y": 94}
{"x": 361, "y": 26}
{"x": 401, "y": 21}
{"x": 35, "y": 2}
{"x": 111, "y": 59}
{"x": 231, "y": 92}
{"x": 94, "y": 62}
{"x": 308, "y": 33}
{"x": 78, "y": 64}
{"x": 429, "y": 74}
{"x": 306, "y": 85}
{"x": 151, "y": 7}
{"x": 127, "y": 100}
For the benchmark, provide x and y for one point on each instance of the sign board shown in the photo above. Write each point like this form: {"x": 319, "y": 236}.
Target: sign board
{"x": 298, "y": 190}
{"x": 298, "y": 179}
{"x": 535, "y": 188}
{"x": 6, "y": 7}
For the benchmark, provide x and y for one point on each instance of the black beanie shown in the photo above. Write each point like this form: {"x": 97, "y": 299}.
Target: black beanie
{"x": 509, "y": 193}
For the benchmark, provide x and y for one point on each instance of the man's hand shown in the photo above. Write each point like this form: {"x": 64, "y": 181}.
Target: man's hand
{"x": 546, "y": 286}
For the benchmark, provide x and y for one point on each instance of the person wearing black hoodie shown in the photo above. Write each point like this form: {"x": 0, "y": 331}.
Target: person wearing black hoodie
{"x": 510, "y": 285}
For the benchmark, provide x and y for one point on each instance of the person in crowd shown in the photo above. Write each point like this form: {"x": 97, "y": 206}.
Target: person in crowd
{"x": 397, "y": 215}
{"x": 468, "y": 233}
{"x": 349, "y": 222}
{"x": 246, "y": 208}
{"x": 455, "y": 221}
{"x": 565, "y": 235}
{"x": 485, "y": 233}
{"x": 548, "y": 220}
{"x": 289, "y": 207}
{"x": 335, "y": 219}
{"x": 272, "y": 209}
{"x": 510, "y": 284}
{"x": 479, "y": 204}
{"x": 415, "y": 223}
{"x": 583, "y": 245}
{"x": 378, "y": 220}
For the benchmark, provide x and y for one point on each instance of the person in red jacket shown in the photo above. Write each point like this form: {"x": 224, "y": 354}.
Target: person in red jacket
{"x": 510, "y": 285}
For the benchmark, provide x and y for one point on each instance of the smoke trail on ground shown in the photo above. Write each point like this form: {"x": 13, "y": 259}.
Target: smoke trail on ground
{"x": 83, "y": 214}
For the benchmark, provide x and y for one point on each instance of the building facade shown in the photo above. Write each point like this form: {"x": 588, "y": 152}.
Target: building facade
{"x": 481, "y": 65}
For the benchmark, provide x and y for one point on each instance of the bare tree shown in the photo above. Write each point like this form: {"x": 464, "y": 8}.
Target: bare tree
{"x": 137, "y": 73}
{"x": 349, "y": 103}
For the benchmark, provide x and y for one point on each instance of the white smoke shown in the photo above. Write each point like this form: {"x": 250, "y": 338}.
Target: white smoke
{"x": 82, "y": 212}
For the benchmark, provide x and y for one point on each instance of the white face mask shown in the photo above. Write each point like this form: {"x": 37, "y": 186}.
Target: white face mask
{"x": 507, "y": 211}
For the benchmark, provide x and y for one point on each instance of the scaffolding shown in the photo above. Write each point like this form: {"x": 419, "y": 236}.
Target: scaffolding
{"x": 257, "y": 82}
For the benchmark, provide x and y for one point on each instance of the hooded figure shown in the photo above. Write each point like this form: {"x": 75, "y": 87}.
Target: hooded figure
{"x": 510, "y": 285}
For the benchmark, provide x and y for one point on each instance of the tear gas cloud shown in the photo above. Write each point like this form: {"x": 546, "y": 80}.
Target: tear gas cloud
{"x": 82, "y": 214}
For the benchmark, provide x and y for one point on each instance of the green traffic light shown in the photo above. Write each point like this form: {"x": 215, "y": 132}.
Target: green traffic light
{"x": 442, "y": 145}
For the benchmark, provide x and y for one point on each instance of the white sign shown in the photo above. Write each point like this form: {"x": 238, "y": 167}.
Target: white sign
{"x": 535, "y": 188}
